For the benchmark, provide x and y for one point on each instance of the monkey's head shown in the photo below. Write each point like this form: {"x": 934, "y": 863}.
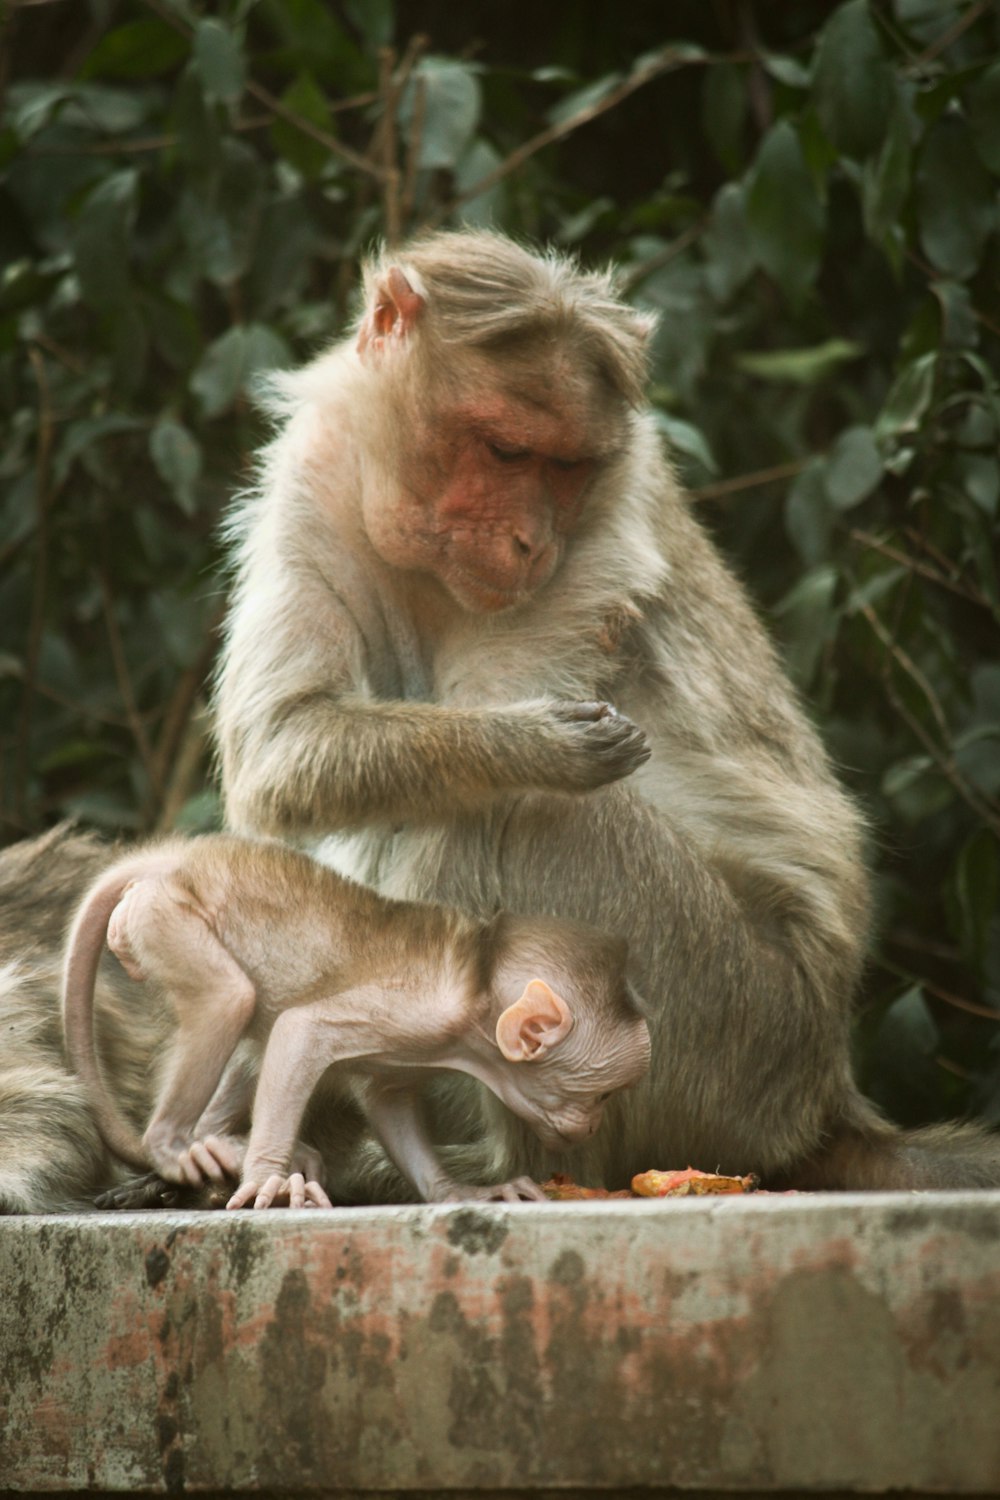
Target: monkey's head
{"x": 504, "y": 379}
{"x": 567, "y": 1046}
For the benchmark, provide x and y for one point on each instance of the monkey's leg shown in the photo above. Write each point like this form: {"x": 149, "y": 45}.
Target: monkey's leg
{"x": 303, "y": 1043}
{"x": 162, "y": 937}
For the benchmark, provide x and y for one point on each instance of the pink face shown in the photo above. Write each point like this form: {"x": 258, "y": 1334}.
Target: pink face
{"x": 490, "y": 491}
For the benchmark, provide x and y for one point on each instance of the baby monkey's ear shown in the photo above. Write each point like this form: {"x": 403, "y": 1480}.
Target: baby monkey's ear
{"x": 534, "y": 1024}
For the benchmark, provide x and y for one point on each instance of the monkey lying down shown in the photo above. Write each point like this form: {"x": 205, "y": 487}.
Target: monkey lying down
{"x": 253, "y": 940}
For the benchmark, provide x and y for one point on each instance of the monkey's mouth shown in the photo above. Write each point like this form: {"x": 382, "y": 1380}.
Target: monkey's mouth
{"x": 481, "y": 598}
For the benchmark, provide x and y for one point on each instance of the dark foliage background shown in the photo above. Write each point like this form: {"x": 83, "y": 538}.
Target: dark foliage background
{"x": 808, "y": 194}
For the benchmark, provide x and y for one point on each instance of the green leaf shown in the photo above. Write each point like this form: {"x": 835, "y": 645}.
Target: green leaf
{"x": 221, "y": 221}
{"x": 852, "y": 81}
{"x": 374, "y": 19}
{"x": 231, "y": 364}
{"x": 81, "y": 438}
{"x": 784, "y": 213}
{"x": 807, "y": 615}
{"x": 916, "y": 788}
{"x": 853, "y": 468}
{"x": 800, "y": 366}
{"x": 984, "y": 117}
{"x": 585, "y": 98}
{"x": 808, "y": 514}
{"x": 909, "y": 397}
{"x": 683, "y": 437}
{"x": 729, "y": 261}
{"x": 452, "y": 103}
{"x": 139, "y": 49}
{"x": 102, "y": 239}
{"x": 959, "y": 326}
{"x": 475, "y": 164}
{"x": 787, "y": 71}
{"x": 885, "y": 179}
{"x": 219, "y": 59}
{"x": 307, "y": 99}
{"x": 979, "y": 475}
{"x": 178, "y": 461}
{"x": 911, "y": 1024}
{"x": 577, "y": 226}
{"x": 955, "y": 199}
{"x": 724, "y": 112}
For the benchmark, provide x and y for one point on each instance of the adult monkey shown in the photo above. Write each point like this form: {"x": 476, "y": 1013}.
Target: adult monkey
{"x": 464, "y": 542}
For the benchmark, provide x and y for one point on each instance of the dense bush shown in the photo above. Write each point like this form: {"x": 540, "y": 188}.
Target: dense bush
{"x": 807, "y": 194}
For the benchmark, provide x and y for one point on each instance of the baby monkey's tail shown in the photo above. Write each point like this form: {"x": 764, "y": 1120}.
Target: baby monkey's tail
{"x": 84, "y": 949}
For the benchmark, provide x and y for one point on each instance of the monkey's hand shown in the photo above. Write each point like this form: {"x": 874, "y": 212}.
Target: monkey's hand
{"x": 592, "y": 744}
{"x": 518, "y": 1190}
{"x": 212, "y": 1159}
{"x": 277, "y": 1191}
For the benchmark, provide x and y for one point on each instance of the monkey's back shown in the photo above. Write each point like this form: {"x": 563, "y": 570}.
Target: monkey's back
{"x": 301, "y": 931}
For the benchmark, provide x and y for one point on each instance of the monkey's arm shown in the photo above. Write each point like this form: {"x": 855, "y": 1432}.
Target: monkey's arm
{"x": 395, "y": 1112}
{"x": 306, "y": 744}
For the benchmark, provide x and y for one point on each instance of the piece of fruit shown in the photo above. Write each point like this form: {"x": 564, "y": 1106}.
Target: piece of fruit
{"x": 654, "y": 1184}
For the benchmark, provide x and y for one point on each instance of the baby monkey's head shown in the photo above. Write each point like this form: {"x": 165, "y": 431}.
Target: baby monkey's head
{"x": 568, "y": 1025}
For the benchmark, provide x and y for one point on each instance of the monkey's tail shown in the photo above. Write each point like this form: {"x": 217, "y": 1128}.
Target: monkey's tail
{"x": 868, "y": 1154}
{"x": 84, "y": 949}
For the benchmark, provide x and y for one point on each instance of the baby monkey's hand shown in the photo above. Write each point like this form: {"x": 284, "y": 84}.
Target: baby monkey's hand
{"x": 277, "y": 1191}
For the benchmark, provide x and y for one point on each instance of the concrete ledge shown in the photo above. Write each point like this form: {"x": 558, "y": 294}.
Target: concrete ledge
{"x": 832, "y": 1343}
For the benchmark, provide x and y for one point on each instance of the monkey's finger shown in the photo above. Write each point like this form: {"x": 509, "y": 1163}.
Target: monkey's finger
{"x": 316, "y": 1197}
{"x": 271, "y": 1189}
{"x": 243, "y": 1194}
{"x": 203, "y": 1158}
{"x": 225, "y": 1153}
{"x": 189, "y": 1169}
{"x": 296, "y": 1190}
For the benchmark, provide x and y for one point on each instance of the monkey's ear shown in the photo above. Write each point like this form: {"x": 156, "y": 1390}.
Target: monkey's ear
{"x": 534, "y": 1024}
{"x": 393, "y": 311}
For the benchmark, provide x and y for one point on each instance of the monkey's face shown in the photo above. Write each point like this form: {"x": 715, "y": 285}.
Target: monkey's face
{"x": 489, "y": 491}
{"x": 562, "y": 1095}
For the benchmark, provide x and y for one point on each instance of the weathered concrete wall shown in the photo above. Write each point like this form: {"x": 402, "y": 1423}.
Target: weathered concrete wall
{"x": 821, "y": 1342}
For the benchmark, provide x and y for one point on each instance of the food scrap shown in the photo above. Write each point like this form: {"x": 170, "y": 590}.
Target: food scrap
{"x": 682, "y": 1184}
{"x": 653, "y": 1184}
{"x": 562, "y": 1189}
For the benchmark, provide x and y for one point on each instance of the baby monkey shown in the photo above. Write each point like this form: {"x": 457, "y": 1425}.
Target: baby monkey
{"x": 253, "y": 940}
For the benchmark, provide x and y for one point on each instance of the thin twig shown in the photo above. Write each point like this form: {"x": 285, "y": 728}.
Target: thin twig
{"x": 967, "y": 592}
{"x": 667, "y": 62}
{"x": 954, "y": 32}
{"x": 958, "y": 1001}
{"x": 187, "y": 760}
{"x": 750, "y": 481}
{"x": 943, "y": 759}
{"x": 413, "y": 150}
{"x": 628, "y": 283}
{"x": 909, "y": 666}
{"x": 387, "y": 145}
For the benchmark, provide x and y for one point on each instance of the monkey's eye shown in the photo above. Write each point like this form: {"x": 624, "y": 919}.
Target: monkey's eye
{"x": 567, "y": 464}
{"x": 602, "y": 1098}
{"x": 508, "y": 455}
